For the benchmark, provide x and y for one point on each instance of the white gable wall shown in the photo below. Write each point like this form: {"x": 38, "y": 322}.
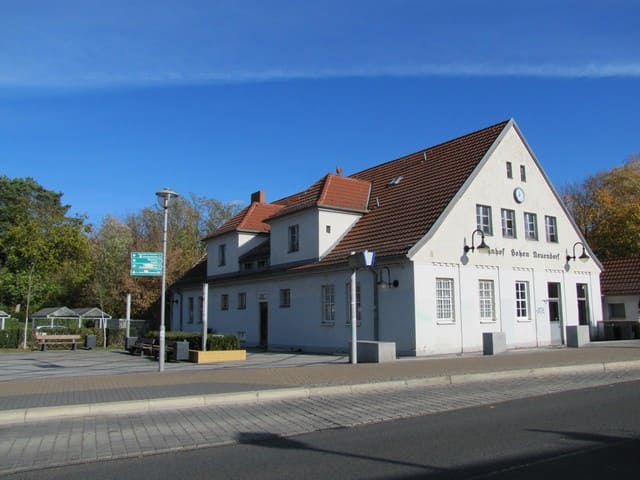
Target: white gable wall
{"x": 536, "y": 262}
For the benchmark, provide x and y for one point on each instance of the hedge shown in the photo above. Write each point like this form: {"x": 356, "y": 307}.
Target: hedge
{"x": 13, "y": 337}
{"x": 214, "y": 341}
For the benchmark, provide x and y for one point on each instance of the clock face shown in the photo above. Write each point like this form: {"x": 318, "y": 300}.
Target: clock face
{"x": 518, "y": 194}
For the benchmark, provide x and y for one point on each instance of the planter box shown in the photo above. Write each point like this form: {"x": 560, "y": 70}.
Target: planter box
{"x": 214, "y": 356}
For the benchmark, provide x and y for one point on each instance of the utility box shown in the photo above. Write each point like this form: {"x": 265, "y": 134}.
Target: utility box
{"x": 494, "y": 342}
{"x": 90, "y": 342}
{"x": 376, "y": 352}
{"x": 578, "y": 335}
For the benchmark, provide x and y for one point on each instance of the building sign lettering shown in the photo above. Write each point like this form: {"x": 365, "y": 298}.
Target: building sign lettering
{"x": 500, "y": 252}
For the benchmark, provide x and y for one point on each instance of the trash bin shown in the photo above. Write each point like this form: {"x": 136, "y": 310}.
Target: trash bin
{"x": 181, "y": 351}
{"x": 90, "y": 342}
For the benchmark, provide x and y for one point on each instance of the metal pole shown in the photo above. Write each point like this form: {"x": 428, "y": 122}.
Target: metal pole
{"x": 205, "y": 314}
{"x": 354, "y": 320}
{"x": 26, "y": 313}
{"x": 128, "y": 314}
{"x": 162, "y": 299}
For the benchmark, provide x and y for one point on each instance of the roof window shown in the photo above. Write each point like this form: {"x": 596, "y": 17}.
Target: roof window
{"x": 395, "y": 180}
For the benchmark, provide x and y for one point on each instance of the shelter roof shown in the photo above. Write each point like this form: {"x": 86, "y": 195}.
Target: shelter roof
{"x": 621, "y": 276}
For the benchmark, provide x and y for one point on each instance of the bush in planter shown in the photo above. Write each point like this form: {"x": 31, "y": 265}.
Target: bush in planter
{"x": 214, "y": 342}
{"x": 10, "y": 338}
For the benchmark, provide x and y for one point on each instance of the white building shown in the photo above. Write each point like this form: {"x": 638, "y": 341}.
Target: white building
{"x": 621, "y": 299}
{"x": 278, "y": 272}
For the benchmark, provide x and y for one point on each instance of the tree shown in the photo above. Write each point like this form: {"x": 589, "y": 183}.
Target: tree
{"x": 606, "y": 208}
{"x": 35, "y": 230}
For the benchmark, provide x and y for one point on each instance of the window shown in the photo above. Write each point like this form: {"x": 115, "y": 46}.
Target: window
{"x": 327, "y": 228}
{"x": 487, "y": 301}
{"x": 247, "y": 266}
{"x": 508, "y": 223}
{"x": 190, "y": 310}
{"x": 328, "y": 304}
{"x": 551, "y": 227}
{"x": 530, "y": 226}
{"x": 285, "y": 298}
{"x": 444, "y": 300}
{"x": 522, "y": 300}
{"x": 224, "y": 302}
{"x": 509, "y": 170}
{"x": 483, "y": 219}
{"x": 293, "y": 238}
{"x": 583, "y": 303}
{"x": 358, "y": 312}
{"x": 263, "y": 263}
{"x": 523, "y": 173}
{"x": 242, "y": 301}
{"x": 222, "y": 255}
{"x": 617, "y": 310}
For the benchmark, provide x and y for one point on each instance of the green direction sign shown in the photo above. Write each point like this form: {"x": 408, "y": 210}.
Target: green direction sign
{"x": 146, "y": 264}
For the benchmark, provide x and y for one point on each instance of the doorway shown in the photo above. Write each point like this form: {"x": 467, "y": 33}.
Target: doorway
{"x": 264, "y": 325}
{"x": 555, "y": 314}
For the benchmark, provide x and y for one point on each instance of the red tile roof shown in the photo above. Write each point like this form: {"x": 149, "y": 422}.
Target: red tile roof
{"x": 621, "y": 276}
{"x": 400, "y": 200}
{"x": 402, "y": 212}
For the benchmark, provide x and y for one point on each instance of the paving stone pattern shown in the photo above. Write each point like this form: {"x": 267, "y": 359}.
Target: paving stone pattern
{"x": 61, "y": 442}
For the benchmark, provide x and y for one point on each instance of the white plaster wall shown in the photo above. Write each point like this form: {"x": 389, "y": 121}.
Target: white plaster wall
{"x": 231, "y": 254}
{"x": 631, "y": 308}
{"x": 307, "y": 221}
{"x": 511, "y": 259}
{"x": 298, "y": 326}
{"x": 396, "y": 309}
{"x": 339, "y": 222}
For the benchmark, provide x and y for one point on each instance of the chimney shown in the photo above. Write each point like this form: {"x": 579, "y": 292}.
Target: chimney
{"x": 257, "y": 196}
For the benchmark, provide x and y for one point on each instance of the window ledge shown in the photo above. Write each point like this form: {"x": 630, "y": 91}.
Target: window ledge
{"x": 446, "y": 322}
{"x": 327, "y": 324}
{"x": 488, "y": 321}
{"x": 523, "y": 320}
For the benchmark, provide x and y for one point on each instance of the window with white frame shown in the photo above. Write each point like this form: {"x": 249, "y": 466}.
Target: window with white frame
{"x": 242, "y": 301}
{"x": 509, "y": 170}
{"x": 358, "y": 312}
{"x": 487, "y": 301}
{"x": 508, "y": 223}
{"x": 523, "y": 173}
{"x": 224, "y": 301}
{"x": 530, "y": 226}
{"x": 222, "y": 255}
{"x": 522, "y": 300}
{"x": 582, "y": 292}
{"x": 285, "y": 297}
{"x": 190, "y": 302}
{"x": 444, "y": 300}
{"x": 483, "y": 219}
{"x": 551, "y": 227}
{"x": 294, "y": 239}
{"x": 328, "y": 303}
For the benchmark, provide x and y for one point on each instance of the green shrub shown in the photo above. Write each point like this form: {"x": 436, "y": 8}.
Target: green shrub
{"x": 214, "y": 341}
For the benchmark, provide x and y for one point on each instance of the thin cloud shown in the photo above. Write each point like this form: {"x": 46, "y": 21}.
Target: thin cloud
{"x": 133, "y": 79}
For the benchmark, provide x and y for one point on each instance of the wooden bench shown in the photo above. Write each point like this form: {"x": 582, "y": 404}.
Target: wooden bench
{"x": 44, "y": 340}
{"x": 144, "y": 346}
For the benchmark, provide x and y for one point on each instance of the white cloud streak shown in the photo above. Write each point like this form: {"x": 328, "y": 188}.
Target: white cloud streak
{"x": 175, "y": 78}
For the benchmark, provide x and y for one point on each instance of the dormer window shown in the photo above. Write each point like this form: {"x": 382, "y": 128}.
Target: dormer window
{"x": 294, "y": 238}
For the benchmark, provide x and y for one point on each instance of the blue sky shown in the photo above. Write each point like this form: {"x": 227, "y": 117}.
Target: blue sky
{"x": 110, "y": 101}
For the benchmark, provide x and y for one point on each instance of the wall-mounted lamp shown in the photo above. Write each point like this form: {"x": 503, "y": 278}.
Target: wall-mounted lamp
{"x": 583, "y": 257}
{"x": 482, "y": 248}
{"x": 388, "y": 284}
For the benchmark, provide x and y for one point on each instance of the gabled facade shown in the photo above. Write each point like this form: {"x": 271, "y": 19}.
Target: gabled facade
{"x": 278, "y": 272}
{"x": 621, "y": 290}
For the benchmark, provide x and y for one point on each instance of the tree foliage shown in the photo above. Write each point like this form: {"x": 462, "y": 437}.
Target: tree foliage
{"x": 76, "y": 267}
{"x": 36, "y": 230}
{"x": 606, "y": 208}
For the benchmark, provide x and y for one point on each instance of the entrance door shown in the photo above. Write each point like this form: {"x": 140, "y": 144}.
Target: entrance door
{"x": 264, "y": 325}
{"x": 555, "y": 314}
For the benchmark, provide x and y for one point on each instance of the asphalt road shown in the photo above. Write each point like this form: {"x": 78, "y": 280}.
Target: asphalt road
{"x": 588, "y": 433}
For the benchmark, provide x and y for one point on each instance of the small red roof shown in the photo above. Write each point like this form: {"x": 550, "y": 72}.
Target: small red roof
{"x": 249, "y": 219}
{"x": 621, "y": 276}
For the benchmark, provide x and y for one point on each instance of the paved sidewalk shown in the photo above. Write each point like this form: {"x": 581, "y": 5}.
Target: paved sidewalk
{"x": 43, "y": 385}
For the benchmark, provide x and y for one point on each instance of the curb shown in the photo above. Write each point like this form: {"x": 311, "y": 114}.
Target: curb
{"x": 38, "y": 414}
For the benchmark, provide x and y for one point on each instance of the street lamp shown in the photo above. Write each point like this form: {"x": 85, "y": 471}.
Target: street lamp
{"x": 166, "y": 195}
{"x": 583, "y": 258}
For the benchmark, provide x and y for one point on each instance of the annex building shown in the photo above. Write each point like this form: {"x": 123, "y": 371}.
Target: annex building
{"x": 469, "y": 235}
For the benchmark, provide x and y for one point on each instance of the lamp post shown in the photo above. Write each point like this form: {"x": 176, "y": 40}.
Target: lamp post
{"x": 166, "y": 195}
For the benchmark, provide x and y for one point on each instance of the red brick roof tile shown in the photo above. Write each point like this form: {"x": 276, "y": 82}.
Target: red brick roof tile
{"x": 621, "y": 276}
